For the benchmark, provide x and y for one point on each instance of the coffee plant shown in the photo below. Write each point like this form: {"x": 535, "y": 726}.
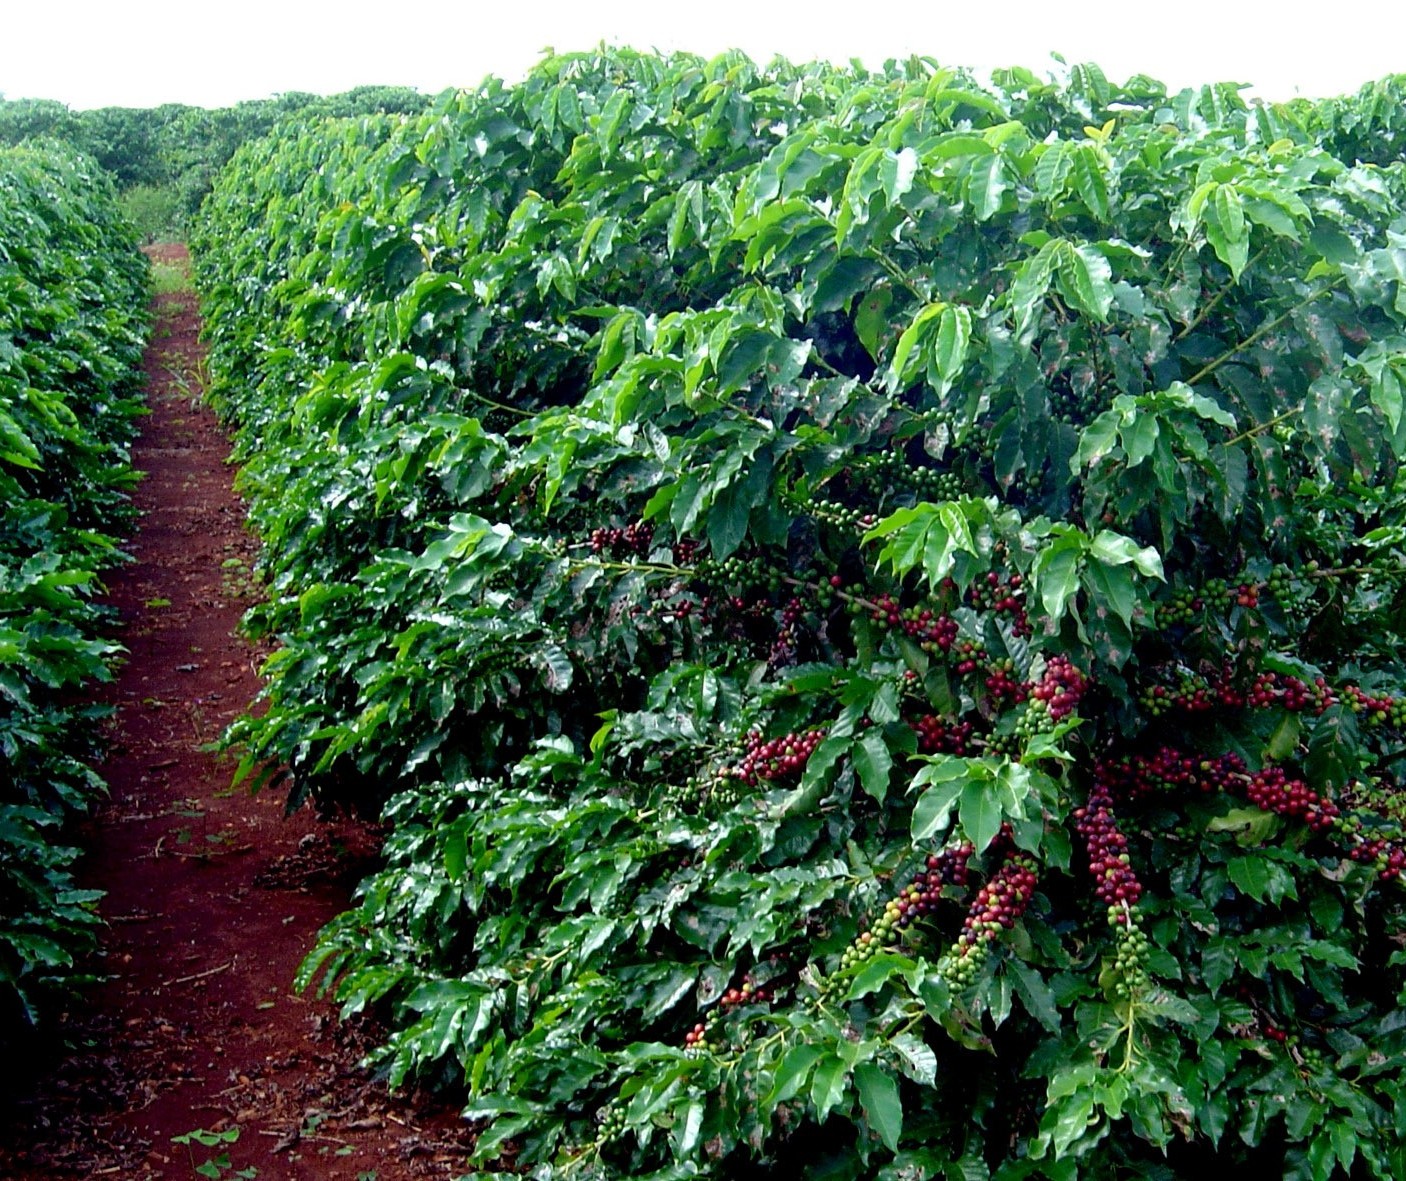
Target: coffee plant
{"x": 870, "y": 603}
{"x": 72, "y": 323}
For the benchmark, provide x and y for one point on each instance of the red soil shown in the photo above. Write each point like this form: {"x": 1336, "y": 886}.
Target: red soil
{"x": 213, "y": 896}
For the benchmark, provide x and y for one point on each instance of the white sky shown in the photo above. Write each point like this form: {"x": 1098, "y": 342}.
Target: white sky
{"x": 91, "y": 53}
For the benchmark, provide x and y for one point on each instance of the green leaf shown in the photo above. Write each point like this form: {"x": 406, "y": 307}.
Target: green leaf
{"x": 1249, "y": 826}
{"x": 691, "y": 1126}
{"x": 980, "y": 812}
{"x": 950, "y": 354}
{"x": 1111, "y": 589}
{"x": 878, "y": 1093}
{"x": 1057, "y": 570}
{"x": 828, "y": 1084}
{"x": 1032, "y": 284}
{"x": 874, "y": 763}
{"x": 1114, "y": 549}
{"x": 986, "y": 186}
{"x": 933, "y": 811}
{"x": 871, "y": 320}
{"x": 1285, "y": 739}
{"x": 1086, "y": 279}
{"x": 556, "y": 668}
{"x": 944, "y": 776}
{"x": 1251, "y": 876}
{"x": 876, "y": 973}
{"x": 916, "y": 1058}
{"x": 1067, "y": 1121}
{"x": 1139, "y": 438}
{"x": 909, "y": 341}
{"x": 1332, "y": 244}
{"x": 1087, "y": 173}
{"x": 1386, "y": 394}
{"x": 792, "y": 1074}
{"x": 1037, "y": 996}
{"x": 1223, "y": 215}
{"x": 818, "y": 775}
{"x": 897, "y": 171}
{"x": 1097, "y": 440}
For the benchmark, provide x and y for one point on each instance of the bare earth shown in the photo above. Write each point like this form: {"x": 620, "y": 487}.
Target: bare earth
{"x": 213, "y": 896}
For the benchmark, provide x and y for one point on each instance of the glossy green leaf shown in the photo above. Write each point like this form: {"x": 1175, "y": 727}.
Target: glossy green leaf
{"x": 883, "y": 1108}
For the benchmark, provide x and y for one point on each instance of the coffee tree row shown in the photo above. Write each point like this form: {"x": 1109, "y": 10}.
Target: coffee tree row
{"x": 72, "y": 322}
{"x": 871, "y": 603}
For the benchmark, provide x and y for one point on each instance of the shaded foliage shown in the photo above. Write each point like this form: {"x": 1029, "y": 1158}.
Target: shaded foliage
{"x": 72, "y": 322}
{"x": 871, "y": 603}
{"x": 175, "y": 149}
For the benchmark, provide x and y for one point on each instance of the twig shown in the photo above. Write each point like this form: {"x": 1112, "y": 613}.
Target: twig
{"x": 1263, "y": 330}
{"x": 199, "y": 975}
{"x": 1211, "y": 306}
{"x": 205, "y": 854}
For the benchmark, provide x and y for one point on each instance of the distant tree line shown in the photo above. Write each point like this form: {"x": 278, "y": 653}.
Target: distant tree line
{"x": 164, "y": 158}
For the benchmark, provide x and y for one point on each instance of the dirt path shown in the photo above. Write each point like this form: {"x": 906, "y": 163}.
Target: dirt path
{"x": 213, "y": 897}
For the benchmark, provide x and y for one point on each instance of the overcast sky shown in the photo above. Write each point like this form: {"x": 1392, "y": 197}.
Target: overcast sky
{"x": 91, "y": 53}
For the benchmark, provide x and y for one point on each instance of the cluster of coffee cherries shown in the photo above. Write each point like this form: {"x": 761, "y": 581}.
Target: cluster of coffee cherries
{"x": 1179, "y": 608}
{"x": 1167, "y": 769}
{"x": 931, "y": 630}
{"x": 840, "y": 516}
{"x": 738, "y": 573}
{"x": 610, "y": 1123}
{"x": 1059, "y": 690}
{"x": 1220, "y": 594}
{"x": 1272, "y": 790}
{"x": 1270, "y": 689}
{"x": 967, "y": 656}
{"x": 633, "y": 541}
{"x": 943, "y": 736}
{"x": 1376, "y": 794}
{"x": 1386, "y": 855}
{"x": 1382, "y": 710}
{"x": 736, "y": 617}
{"x": 890, "y": 467}
{"x": 1002, "y": 596}
{"x": 698, "y": 791}
{"x": 1075, "y": 398}
{"x": 1116, "y": 884}
{"x": 1003, "y": 683}
{"x": 706, "y": 1035}
{"x": 769, "y": 759}
{"x": 762, "y": 761}
{"x": 998, "y": 904}
{"x": 1131, "y": 949}
{"x": 1183, "y": 605}
{"x": 1292, "y": 593}
{"x": 788, "y": 634}
{"x": 1178, "y": 688}
{"x": 914, "y": 900}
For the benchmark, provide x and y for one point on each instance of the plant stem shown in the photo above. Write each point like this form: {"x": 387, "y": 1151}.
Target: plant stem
{"x": 1260, "y": 428}
{"x": 485, "y": 400}
{"x": 1214, "y": 301}
{"x": 1263, "y": 330}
